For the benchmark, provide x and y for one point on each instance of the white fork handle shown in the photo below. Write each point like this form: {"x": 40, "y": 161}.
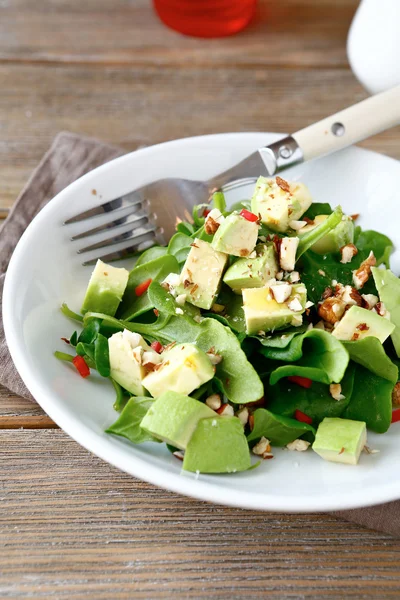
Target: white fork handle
{"x": 350, "y": 125}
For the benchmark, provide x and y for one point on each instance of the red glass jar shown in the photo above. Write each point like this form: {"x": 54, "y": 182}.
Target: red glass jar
{"x": 206, "y": 18}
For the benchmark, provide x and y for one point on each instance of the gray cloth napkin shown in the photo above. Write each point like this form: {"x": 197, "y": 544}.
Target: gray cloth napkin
{"x": 69, "y": 157}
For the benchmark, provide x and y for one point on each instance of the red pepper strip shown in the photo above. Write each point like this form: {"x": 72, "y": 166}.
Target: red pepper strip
{"x": 305, "y": 382}
{"x": 396, "y": 415}
{"x": 157, "y": 346}
{"x": 302, "y": 417}
{"x": 81, "y": 366}
{"x": 206, "y": 212}
{"x": 249, "y": 216}
{"x": 142, "y": 287}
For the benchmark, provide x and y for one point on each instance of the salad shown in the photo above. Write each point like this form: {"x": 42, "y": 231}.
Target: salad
{"x": 275, "y": 323}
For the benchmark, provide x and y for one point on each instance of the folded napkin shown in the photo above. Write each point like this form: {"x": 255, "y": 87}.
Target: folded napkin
{"x": 69, "y": 157}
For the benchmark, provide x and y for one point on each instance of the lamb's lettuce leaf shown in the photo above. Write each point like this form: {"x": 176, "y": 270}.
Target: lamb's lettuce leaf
{"x": 279, "y": 430}
{"x": 315, "y": 354}
{"x": 371, "y": 400}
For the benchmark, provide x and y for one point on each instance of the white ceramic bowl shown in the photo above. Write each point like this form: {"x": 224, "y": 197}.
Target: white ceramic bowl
{"x": 45, "y": 271}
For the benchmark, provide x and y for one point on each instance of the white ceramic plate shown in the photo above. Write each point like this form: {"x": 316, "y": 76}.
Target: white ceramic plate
{"x": 45, "y": 271}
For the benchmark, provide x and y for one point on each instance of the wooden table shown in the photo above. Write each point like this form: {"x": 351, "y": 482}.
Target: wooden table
{"x": 71, "y": 526}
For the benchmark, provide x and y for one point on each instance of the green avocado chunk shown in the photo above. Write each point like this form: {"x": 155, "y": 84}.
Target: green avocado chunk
{"x": 359, "y": 323}
{"x": 253, "y": 272}
{"x": 340, "y": 440}
{"x": 184, "y": 368}
{"x": 335, "y": 239}
{"x": 174, "y": 417}
{"x": 105, "y": 290}
{"x": 263, "y": 312}
{"x": 218, "y": 445}
{"x": 388, "y": 286}
{"x": 279, "y": 202}
{"x": 236, "y": 236}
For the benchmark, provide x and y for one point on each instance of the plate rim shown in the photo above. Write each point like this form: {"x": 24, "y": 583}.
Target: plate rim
{"x": 135, "y": 465}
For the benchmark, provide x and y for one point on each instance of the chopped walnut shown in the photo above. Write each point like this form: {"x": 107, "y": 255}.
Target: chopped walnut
{"x": 298, "y": 445}
{"x": 396, "y": 394}
{"x": 283, "y": 184}
{"x": 263, "y": 448}
{"x": 331, "y": 310}
{"x": 362, "y": 274}
{"x": 327, "y": 293}
{"x": 351, "y": 296}
{"x": 348, "y": 252}
{"x": 381, "y": 309}
{"x": 213, "y": 221}
{"x": 335, "y": 390}
{"x": 369, "y": 301}
{"x": 214, "y": 401}
{"x": 243, "y": 415}
{"x": 226, "y": 410}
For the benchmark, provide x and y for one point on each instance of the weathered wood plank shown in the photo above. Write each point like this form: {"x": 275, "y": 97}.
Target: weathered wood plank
{"x": 12, "y": 406}
{"x": 125, "y": 104}
{"x": 72, "y": 526}
{"x": 286, "y": 33}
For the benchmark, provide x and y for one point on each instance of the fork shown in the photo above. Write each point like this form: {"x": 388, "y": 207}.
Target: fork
{"x": 149, "y": 214}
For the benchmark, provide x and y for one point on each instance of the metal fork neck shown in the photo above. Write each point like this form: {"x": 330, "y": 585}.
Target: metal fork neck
{"x": 281, "y": 154}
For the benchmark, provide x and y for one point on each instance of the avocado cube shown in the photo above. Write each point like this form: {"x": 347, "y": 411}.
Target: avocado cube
{"x": 105, "y": 290}
{"x": 388, "y": 286}
{"x": 279, "y": 203}
{"x": 183, "y": 369}
{"x": 218, "y": 445}
{"x": 201, "y": 275}
{"x": 173, "y": 418}
{"x": 253, "y": 272}
{"x": 359, "y": 323}
{"x": 125, "y": 365}
{"x": 264, "y": 313}
{"x": 340, "y": 440}
{"x": 339, "y": 236}
{"x": 236, "y": 236}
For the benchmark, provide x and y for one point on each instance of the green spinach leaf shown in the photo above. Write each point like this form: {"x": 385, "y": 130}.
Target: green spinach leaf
{"x": 371, "y": 400}
{"x": 151, "y": 254}
{"x": 318, "y": 271}
{"x": 128, "y": 423}
{"x": 276, "y": 428}
{"x": 315, "y": 354}
{"x": 156, "y": 270}
{"x": 370, "y": 353}
{"x": 316, "y": 402}
{"x": 318, "y": 208}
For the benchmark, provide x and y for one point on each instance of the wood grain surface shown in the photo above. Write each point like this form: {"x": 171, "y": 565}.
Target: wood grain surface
{"x": 72, "y": 526}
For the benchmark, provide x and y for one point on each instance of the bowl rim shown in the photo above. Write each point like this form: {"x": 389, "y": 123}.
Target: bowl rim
{"x": 118, "y": 456}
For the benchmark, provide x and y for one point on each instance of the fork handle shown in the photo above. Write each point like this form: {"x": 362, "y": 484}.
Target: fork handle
{"x": 351, "y": 125}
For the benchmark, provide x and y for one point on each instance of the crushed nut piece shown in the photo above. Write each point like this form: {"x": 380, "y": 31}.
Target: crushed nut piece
{"x": 281, "y": 292}
{"x": 295, "y": 305}
{"x": 396, "y": 394}
{"x": 294, "y": 276}
{"x": 381, "y": 309}
{"x": 214, "y": 401}
{"x": 226, "y": 410}
{"x": 335, "y": 390}
{"x": 321, "y": 272}
{"x": 362, "y": 274}
{"x": 327, "y": 293}
{"x": 369, "y": 300}
{"x": 298, "y": 445}
{"x": 179, "y": 454}
{"x": 369, "y": 450}
{"x": 213, "y": 221}
{"x": 283, "y": 184}
{"x": 331, "y": 310}
{"x": 348, "y": 252}
{"x": 297, "y": 225}
{"x": 262, "y": 447}
{"x": 181, "y": 299}
{"x": 243, "y": 416}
